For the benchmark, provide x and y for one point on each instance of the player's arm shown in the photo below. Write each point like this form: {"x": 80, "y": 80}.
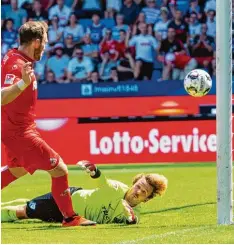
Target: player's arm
{"x": 130, "y": 217}
{"x": 126, "y": 214}
{"x": 9, "y": 94}
{"x": 94, "y": 172}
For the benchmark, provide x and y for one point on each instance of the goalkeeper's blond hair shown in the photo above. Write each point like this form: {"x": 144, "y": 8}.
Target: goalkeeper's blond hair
{"x": 157, "y": 181}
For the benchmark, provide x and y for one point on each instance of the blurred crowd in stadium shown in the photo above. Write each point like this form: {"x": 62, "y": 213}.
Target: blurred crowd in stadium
{"x": 116, "y": 40}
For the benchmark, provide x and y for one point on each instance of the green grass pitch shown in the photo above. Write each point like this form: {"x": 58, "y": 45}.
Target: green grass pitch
{"x": 185, "y": 214}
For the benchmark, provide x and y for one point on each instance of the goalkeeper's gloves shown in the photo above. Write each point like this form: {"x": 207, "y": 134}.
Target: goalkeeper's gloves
{"x": 129, "y": 214}
{"x": 90, "y": 168}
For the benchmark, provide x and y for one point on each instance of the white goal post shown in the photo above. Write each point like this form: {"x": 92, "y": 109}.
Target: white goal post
{"x": 224, "y": 111}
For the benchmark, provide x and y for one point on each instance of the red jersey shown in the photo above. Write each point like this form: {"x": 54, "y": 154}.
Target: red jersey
{"x": 121, "y": 49}
{"x": 111, "y": 47}
{"x": 181, "y": 60}
{"x": 18, "y": 115}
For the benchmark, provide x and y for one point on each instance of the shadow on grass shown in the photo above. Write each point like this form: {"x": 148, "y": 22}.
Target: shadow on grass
{"x": 178, "y": 208}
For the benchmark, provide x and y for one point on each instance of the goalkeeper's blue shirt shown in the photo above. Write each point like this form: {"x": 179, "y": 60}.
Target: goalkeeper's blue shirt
{"x": 105, "y": 204}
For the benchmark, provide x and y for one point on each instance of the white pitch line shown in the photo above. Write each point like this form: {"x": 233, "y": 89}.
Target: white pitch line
{"x": 176, "y": 232}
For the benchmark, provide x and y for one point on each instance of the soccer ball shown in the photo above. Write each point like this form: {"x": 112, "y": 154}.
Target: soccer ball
{"x": 197, "y": 83}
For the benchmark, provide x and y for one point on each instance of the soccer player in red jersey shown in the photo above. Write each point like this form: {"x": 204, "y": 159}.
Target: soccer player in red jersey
{"x": 26, "y": 150}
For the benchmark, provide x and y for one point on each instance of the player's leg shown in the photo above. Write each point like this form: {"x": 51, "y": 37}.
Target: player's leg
{"x": 60, "y": 189}
{"x": 14, "y": 202}
{"x": 13, "y": 212}
{"x": 45, "y": 208}
{"x": 62, "y": 196}
{"x": 14, "y": 169}
{"x": 45, "y": 158}
{"x": 9, "y": 175}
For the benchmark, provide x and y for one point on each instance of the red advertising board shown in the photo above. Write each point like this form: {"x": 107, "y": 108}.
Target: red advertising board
{"x": 181, "y": 141}
{"x": 184, "y": 141}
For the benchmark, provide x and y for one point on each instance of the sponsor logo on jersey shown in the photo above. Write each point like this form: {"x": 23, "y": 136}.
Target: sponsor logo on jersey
{"x": 14, "y": 67}
{"x": 53, "y": 161}
{"x": 9, "y": 79}
{"x": 32, "y": 205}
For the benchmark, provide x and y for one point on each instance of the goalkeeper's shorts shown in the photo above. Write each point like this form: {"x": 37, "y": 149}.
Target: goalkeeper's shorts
{"x": 45, "y": 208}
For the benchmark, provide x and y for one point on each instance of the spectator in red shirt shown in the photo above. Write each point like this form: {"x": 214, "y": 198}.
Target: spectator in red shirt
{"x": 109, "y": 45}
{"x": 180, "y": 26}
{"x": 203, "y": 48}
{"x": 173, "y": 55}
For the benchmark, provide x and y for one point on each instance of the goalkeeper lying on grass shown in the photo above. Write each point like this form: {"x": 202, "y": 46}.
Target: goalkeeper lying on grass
{"x": 111, "y": 202}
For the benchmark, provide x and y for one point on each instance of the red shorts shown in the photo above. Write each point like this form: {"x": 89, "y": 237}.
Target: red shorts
{"x": 200, "y": 60}
{"x": 30, "y": 151}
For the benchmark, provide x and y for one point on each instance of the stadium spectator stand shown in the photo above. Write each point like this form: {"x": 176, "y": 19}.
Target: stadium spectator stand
{"x": 79, "y": 41}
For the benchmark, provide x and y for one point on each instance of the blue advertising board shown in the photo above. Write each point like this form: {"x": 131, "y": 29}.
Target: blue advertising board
{"x": 120, "y": 89}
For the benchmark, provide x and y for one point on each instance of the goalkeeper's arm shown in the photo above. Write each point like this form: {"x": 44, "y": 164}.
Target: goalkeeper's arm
{"x": 130, "y": 217}
{"x": 94, "y": 172}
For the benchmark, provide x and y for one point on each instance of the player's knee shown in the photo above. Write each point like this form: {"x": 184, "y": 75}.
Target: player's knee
{"x": 21, "y": 212}
{"x": 59, "y": 170}
{"x": 18, "y": 172}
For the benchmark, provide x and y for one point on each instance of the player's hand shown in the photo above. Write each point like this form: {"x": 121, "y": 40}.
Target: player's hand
{"x": 88, "y": 167}
{"x": 27, "y": 73}
{"x": 129, "y": 213}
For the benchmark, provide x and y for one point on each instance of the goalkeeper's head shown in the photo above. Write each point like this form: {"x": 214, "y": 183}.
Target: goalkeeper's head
{"x": 146, "y": 187}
